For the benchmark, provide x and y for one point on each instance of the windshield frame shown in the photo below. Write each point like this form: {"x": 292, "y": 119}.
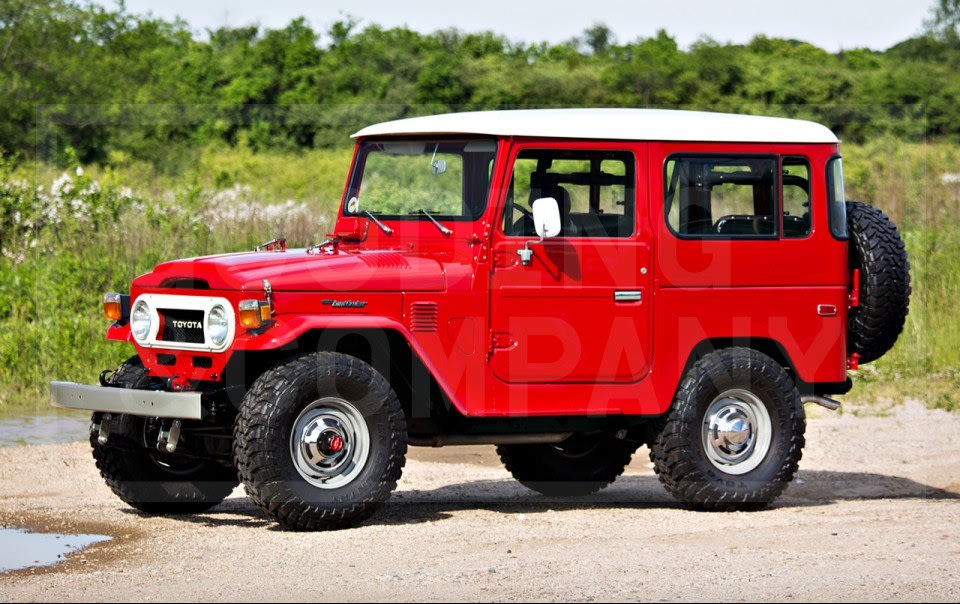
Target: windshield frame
{"x": 363, "y": 151}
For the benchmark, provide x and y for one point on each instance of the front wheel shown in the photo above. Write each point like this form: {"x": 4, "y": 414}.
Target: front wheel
{"x": 147, "y": 479}
{"x": 734, "y": 435}
{"x": 320, "y": 441}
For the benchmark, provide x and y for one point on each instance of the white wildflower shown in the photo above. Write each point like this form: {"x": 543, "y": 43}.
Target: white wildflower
{"x": 62, "y": 186}
{"x": 92, "y": 189}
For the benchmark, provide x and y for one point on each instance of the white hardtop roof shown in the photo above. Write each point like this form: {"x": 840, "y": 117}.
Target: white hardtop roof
{"x": 612, "y": 124}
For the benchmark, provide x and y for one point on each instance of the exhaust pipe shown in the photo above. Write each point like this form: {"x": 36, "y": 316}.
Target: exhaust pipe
{"x": 823, "y": 401}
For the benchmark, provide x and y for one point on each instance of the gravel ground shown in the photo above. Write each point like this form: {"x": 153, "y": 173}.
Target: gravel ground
{"x": 873, "y": 516}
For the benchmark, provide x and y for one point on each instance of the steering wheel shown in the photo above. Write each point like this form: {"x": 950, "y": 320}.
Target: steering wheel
{"x": 522, "y": 209}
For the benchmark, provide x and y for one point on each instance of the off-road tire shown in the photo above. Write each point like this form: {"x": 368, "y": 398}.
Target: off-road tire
{"x": 578, "y": 468}
{"x": 147, "y": 480}
{"x": 877, "y": 250}
{"x": 679, "y": 452}
{"x": 262, "y": 441}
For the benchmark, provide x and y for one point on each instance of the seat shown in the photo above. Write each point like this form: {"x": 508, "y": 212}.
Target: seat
{"x": 525, "y": 227}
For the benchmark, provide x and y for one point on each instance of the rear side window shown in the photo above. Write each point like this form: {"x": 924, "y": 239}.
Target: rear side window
{"x": 796, "y": 197}
{"x": 836, "y": 198}
{"x": 722, "y": 196}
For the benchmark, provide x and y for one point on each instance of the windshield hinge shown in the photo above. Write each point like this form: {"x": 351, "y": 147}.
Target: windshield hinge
{"x": 274, "y": 245}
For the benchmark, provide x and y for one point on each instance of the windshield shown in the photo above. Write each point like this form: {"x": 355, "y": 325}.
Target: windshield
{"x": 419, "y": 179}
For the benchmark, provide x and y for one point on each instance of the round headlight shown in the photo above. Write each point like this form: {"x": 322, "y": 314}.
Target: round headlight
{"x": 217, "y": 325}
{"x": 140, "y": 321}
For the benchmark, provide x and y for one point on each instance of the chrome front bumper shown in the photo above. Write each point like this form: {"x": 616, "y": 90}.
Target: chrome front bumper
{"x": 146, "y": 403}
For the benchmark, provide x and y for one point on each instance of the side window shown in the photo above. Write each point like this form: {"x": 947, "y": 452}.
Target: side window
{"x": 836, "y": 198}
{"x": 725, "y": 196}
{"x": 595, "y": 191}
{"x": 796, "y": 197}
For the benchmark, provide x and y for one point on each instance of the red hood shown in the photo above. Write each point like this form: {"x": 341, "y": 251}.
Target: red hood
{"x": 295, "y": 270}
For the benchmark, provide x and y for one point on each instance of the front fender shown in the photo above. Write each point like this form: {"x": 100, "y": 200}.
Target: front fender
{"x": 119, "y": 333}
{"x": 286, "y": 329}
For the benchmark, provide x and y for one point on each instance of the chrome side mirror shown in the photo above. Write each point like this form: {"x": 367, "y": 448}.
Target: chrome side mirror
{"x": 546, "y": 221}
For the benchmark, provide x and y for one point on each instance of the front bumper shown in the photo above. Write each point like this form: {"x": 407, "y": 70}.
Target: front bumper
{"x": 145, "y": 403}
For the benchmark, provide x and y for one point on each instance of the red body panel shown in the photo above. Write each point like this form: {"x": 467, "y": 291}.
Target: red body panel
{"x": 296, "y": 270}
{"x": 504, "y": 339}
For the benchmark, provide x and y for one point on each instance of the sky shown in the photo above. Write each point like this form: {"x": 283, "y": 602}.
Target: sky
{"x": 830, "y": 24}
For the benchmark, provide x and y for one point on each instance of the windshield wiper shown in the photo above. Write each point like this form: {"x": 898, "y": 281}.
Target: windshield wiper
{"x": 447, "y": 232}
{"x": 376, "y": 221}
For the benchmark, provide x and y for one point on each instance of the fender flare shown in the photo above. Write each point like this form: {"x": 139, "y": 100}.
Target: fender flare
{"x": 287, "y": 329}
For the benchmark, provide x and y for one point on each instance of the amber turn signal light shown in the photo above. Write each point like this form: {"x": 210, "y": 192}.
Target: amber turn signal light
{"x": 254, "y": 313}
{"x": 113, "y": 306}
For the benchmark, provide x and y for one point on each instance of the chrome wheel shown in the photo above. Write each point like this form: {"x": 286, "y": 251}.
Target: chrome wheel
{"x": 330, "y": 443}
{"x": 737, "y": 432}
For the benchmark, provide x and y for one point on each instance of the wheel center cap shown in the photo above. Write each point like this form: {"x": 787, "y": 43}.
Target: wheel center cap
{"x": 324, "y": 442}
{"x": 331, "y": 443}
{"x": 731, "y": 430}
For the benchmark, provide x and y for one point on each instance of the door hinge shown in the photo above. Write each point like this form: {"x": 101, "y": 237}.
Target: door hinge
{"x": 499, "y": 341}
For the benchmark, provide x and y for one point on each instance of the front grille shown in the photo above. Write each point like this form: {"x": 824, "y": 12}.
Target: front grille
{"x": 181, "y": 325}
{"x": 166, "y": 360}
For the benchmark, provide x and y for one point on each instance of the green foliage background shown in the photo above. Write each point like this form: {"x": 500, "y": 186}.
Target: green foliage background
{"x": 191, "y": 146}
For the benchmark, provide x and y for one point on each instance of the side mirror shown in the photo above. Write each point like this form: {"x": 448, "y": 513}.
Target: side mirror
{"x": 546, "y": 220}
{"x": 546, "y": 217}
{"x": 439, "y": 166}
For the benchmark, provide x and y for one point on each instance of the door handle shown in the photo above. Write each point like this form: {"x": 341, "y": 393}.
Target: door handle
{"x": 628, "y": 296}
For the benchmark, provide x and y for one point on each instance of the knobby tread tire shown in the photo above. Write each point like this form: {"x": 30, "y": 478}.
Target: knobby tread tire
{"x": 542, "y": 468}
{"x": 877, "y": 250}
{"x": 677, "y": 451}
{"x": 262, "y": 432}
{"x": 132, "y": 474}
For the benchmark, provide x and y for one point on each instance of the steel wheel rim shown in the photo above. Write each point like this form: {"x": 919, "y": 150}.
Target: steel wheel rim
{"x": 330, "y": 443}
{"x": 737, "y": 432}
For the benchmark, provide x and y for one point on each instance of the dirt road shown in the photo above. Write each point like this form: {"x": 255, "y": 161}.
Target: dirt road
{"x": 874, "y": 515}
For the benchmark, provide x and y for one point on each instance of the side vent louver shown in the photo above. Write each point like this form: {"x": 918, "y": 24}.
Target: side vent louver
{"x": 423, "y": 316}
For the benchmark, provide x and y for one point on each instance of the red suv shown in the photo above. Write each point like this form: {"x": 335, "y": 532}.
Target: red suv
{"x": 565, "y": 284}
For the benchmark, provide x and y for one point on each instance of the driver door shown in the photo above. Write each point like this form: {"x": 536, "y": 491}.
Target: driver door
{"x": 581, "y": 310}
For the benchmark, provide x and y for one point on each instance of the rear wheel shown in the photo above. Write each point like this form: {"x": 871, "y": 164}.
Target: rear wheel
{"x": 320, "y": 441}
{"x": 147, "y": 479}
{"x": 578, "y": 466}
{"x": 734, "y": 435}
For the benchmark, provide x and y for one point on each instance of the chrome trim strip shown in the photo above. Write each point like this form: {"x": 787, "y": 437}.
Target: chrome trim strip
{"x": 146, "y": 403}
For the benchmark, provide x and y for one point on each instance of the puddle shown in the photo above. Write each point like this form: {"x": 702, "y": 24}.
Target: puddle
{"x": 19, "y": 549}
{"x": 43, "y": 428}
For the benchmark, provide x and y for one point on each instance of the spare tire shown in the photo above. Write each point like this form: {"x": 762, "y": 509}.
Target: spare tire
{"x": 877, "y": 250}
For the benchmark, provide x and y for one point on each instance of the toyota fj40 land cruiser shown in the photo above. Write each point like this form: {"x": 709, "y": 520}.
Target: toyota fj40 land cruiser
{"x": 564, "y": 284}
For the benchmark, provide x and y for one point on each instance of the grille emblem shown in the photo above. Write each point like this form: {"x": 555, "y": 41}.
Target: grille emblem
{"x": 186, "y": 324}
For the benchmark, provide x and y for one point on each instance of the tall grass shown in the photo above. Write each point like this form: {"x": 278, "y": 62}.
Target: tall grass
{"x": 67, "y": 237}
